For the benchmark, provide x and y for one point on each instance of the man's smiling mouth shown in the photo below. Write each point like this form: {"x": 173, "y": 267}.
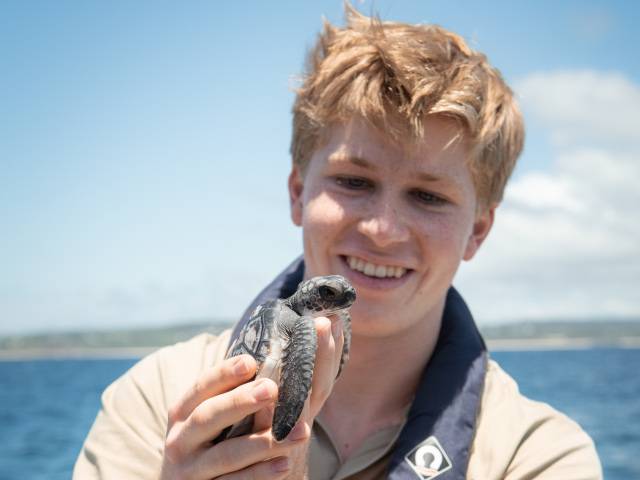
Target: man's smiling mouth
{"x": 374, "y": 270}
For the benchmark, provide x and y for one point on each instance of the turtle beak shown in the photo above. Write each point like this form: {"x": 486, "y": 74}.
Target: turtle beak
{"x": 350, "y": 296}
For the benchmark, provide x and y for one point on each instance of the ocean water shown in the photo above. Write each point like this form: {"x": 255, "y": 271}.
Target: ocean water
{"x": 47, "y": 406}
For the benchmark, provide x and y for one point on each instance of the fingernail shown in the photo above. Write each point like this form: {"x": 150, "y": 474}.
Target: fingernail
{"x": 261, "y": 391}
{"x": 280, "y": 465}
{"x": 298, "y": 433}
{"x": 323, "y": 328}
{"x": 240, "y": 368}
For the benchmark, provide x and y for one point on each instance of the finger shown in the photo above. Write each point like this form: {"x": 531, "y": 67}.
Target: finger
{"x": 273, "y": 469}
{"x": 216, "y": 413}
{"x": 324, "y": 372}
{"x": 220, "y": 379}
{"x": 264, "y": 418}
{"x": 338, "y": 337}
{"x": 236, "y": 454}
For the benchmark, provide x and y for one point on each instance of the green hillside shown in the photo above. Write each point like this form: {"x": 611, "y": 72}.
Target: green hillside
{"x": 594, "y": 332}
{"x": 124, "y": 338}
{"x": 599, "y": 331}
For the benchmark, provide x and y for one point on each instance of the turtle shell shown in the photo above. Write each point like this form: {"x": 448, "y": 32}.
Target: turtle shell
{"x": 259, "y": 332}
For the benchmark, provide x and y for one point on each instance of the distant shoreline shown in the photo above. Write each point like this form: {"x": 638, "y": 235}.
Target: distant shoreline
{"x": 495, "y": 345}
{"x": 80, "y": 353}
{"x": 560, "y": 343}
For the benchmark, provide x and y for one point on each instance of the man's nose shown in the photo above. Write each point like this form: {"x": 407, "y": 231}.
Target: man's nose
{"x": 384, "y": 225}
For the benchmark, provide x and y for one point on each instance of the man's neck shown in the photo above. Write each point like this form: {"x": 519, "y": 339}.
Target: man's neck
{"x": 379, "y": 381}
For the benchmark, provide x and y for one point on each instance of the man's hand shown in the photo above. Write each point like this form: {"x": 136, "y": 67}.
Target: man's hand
{"x": 221, "y": 397}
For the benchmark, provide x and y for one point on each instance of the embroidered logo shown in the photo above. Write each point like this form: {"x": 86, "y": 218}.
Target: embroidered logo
{"x": 428, "y": 459}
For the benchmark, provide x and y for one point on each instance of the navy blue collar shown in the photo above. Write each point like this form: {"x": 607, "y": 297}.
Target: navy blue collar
{"x": 436, "y": 440}
{"x": 444, "y": 411}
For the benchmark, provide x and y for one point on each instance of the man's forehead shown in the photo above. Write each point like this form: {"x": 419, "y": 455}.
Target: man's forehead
{"x": 365, "y": 147}
{"x": 440, "y": 135}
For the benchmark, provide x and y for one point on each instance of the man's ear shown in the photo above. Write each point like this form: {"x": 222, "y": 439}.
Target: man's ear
{"x": 481, "y": 228}
{"x": 295, "y": 194}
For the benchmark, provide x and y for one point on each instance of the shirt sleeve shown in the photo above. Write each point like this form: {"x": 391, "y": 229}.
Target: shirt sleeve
{"x": 553, "y": 446}
{"x": 521, "y": 439}
{"x": 126, "y": 440}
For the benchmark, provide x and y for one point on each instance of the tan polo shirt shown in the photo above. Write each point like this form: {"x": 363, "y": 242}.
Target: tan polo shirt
{"x": 516, "y": 438}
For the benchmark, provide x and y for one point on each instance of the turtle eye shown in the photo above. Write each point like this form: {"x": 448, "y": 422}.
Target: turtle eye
{"x": 327, "y": 293}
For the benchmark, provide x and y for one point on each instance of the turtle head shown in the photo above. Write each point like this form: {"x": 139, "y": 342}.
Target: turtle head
{"x": 322, "y": 296}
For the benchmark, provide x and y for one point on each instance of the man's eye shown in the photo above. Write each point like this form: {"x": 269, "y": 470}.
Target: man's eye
{"x": 428, "y": 198}
{"x": 353, "y": 183}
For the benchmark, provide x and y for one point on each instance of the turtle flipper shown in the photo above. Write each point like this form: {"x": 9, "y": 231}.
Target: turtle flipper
{"x": 345, "y": 318}
{"x": 295, "y": 378}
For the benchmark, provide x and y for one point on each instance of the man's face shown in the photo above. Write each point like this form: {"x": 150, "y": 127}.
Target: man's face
{"x": 395, "y": 221}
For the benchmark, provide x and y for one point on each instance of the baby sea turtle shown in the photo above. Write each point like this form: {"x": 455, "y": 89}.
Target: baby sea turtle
{"x": 281, "y": 336}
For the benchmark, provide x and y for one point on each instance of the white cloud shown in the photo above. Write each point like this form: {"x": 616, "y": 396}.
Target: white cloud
{"x": 567, "y": 241}
{"x": 583, "y": 105}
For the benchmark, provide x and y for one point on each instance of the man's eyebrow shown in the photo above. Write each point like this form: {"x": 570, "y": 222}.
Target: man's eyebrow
{"x": 359, "y": 161}
{"x": 362, "y": 162}
{"x": 428, "y": 177}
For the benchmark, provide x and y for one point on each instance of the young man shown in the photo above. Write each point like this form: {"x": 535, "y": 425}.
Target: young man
{"x": 403, "y": 141}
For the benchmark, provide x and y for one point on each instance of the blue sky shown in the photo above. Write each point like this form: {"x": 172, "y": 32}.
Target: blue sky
{"x": 144, "y": 153}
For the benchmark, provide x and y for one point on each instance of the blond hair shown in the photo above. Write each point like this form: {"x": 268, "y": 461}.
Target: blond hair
{"x": 393, "y": 75}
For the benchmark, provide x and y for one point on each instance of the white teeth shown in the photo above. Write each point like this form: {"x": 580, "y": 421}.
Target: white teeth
{"x": 372, "y": 270}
